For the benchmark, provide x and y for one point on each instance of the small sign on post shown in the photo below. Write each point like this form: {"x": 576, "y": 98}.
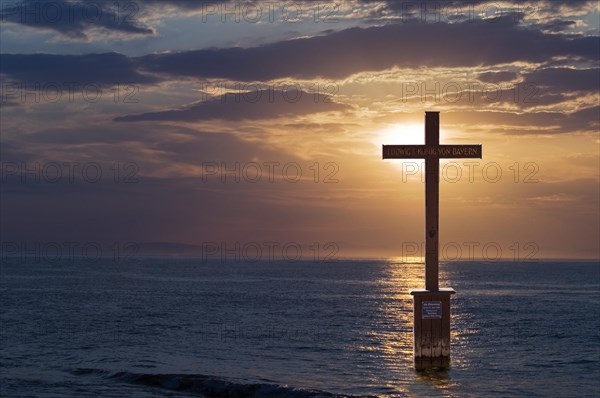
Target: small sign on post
{"x": 431, "y": 310}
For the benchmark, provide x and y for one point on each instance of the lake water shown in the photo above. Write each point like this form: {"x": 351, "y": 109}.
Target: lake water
{"x": 186, "y": 327}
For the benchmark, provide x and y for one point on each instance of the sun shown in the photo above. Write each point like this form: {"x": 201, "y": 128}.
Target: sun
{"x": 399, "y": 134}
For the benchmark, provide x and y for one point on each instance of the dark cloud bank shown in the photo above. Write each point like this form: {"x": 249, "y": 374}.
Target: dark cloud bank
{"x": 333, "y": 56}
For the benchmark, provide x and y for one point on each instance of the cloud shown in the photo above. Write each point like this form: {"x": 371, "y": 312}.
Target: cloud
{"x": 129, "y": 19}
{"x": 558, "y": 25}
{"x": 336, "y": 55}
{"x": 74, "y": 19}
{"x": 497, "y": 77}
{"x": 172, "y": 146}
{"x": 566, "y": 79}
{"x": 531, "y": 123}
{"x": 106, "y": 69}
{"x": 261, "y": 104}
{"x": 409, "y": 45}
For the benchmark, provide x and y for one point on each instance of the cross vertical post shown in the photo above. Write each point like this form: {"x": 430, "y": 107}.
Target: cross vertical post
{"x": 432, "y": 195}
{"x": 431, "y": 306}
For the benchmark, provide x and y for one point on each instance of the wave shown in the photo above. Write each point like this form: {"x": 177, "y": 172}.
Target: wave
{"x": 210, "y": 386}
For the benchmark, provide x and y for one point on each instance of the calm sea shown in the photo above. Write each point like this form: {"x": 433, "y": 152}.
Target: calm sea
{"x": 183, "y": 327}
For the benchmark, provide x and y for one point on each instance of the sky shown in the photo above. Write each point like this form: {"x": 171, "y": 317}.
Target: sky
{"x": 254, "y": 129}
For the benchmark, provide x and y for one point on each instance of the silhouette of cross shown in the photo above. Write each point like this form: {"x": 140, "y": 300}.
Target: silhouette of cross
{"x": 432, "y": 151}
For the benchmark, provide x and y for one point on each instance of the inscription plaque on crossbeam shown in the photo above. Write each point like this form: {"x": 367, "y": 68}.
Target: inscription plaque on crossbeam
{"x": 423, "y": 151}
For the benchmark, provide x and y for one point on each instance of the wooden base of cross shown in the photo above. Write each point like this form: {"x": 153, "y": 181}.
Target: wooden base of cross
{"x": 431, "y": 306}
{"x": 431, "y": 328}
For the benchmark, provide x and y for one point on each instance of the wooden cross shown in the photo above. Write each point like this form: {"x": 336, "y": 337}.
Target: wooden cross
{"x": 432, "y": 151}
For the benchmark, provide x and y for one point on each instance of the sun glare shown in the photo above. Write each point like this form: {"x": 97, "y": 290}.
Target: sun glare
{"x": 399, "y": 134}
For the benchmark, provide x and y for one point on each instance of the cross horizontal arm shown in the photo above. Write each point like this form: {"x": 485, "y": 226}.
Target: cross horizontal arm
{"x": 431, "y": 151}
